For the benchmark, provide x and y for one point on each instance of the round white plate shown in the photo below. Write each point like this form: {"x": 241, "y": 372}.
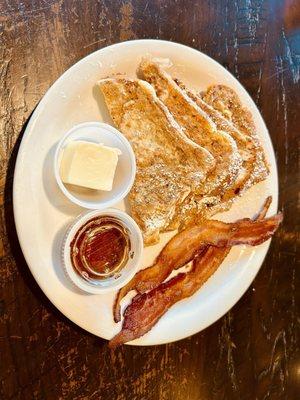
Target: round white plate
{"x": 42, "y": 212}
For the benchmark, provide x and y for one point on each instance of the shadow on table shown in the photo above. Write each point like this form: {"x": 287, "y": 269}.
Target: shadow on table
{"x": 15, "y": 246}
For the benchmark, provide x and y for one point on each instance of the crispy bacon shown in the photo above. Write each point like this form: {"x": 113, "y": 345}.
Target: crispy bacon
{"x": 263, "y": 211}
{"x": 184, "y": 246}
{"x": 146, "y": 309}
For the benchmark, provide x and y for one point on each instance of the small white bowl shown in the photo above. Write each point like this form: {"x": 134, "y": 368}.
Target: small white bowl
{"x": 98, "y": 132}
{"x": 125, "y": 274}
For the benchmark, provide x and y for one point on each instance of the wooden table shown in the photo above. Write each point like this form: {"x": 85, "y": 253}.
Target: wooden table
{"x": 253, "y": 351}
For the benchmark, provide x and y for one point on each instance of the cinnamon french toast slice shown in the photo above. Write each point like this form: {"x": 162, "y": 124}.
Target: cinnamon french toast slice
{"x": 169, "y": 165}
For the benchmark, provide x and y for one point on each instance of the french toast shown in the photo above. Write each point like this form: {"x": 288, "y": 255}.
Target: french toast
{"x": 226, "y": 101}
{"x": 209, "y": 130}
{"x": 245, "y": 144}
{"x": 169, "y": 165}
{"x": 230, "y": 116}
{"x": 198, "y": 126}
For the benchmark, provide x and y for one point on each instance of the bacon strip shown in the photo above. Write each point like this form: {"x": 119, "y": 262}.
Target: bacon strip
{"x": 146, "y": 309}
{"x": 184, "y": 246}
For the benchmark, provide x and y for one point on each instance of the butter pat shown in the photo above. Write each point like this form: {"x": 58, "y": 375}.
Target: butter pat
{"x": 90, "y": 165}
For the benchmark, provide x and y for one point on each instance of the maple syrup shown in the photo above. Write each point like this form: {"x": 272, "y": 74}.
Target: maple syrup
{"x": 100, "y": 248}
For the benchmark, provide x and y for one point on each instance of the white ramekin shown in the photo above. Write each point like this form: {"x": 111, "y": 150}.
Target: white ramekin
{"x": 98, "y": 132}
{"x": 126, "y": 274}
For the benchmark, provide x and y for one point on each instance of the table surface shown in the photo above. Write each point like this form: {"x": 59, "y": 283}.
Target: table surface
{"x": 250, "y": 353}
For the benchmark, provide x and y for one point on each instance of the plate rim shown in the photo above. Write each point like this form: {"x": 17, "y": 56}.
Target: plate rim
{"x": 26, "y": 135}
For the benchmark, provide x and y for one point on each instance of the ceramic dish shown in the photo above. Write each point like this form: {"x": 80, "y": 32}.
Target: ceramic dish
{"x": 42, "y": 212}
{"x": 127, "y": 273}
{"x": 97, "y": 132}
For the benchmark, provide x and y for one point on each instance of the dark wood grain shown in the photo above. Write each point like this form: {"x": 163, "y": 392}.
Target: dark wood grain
{"x": 253, "y": 351}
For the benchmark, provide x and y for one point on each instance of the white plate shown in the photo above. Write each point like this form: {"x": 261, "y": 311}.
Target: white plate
{"x": 42, "y": 212}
